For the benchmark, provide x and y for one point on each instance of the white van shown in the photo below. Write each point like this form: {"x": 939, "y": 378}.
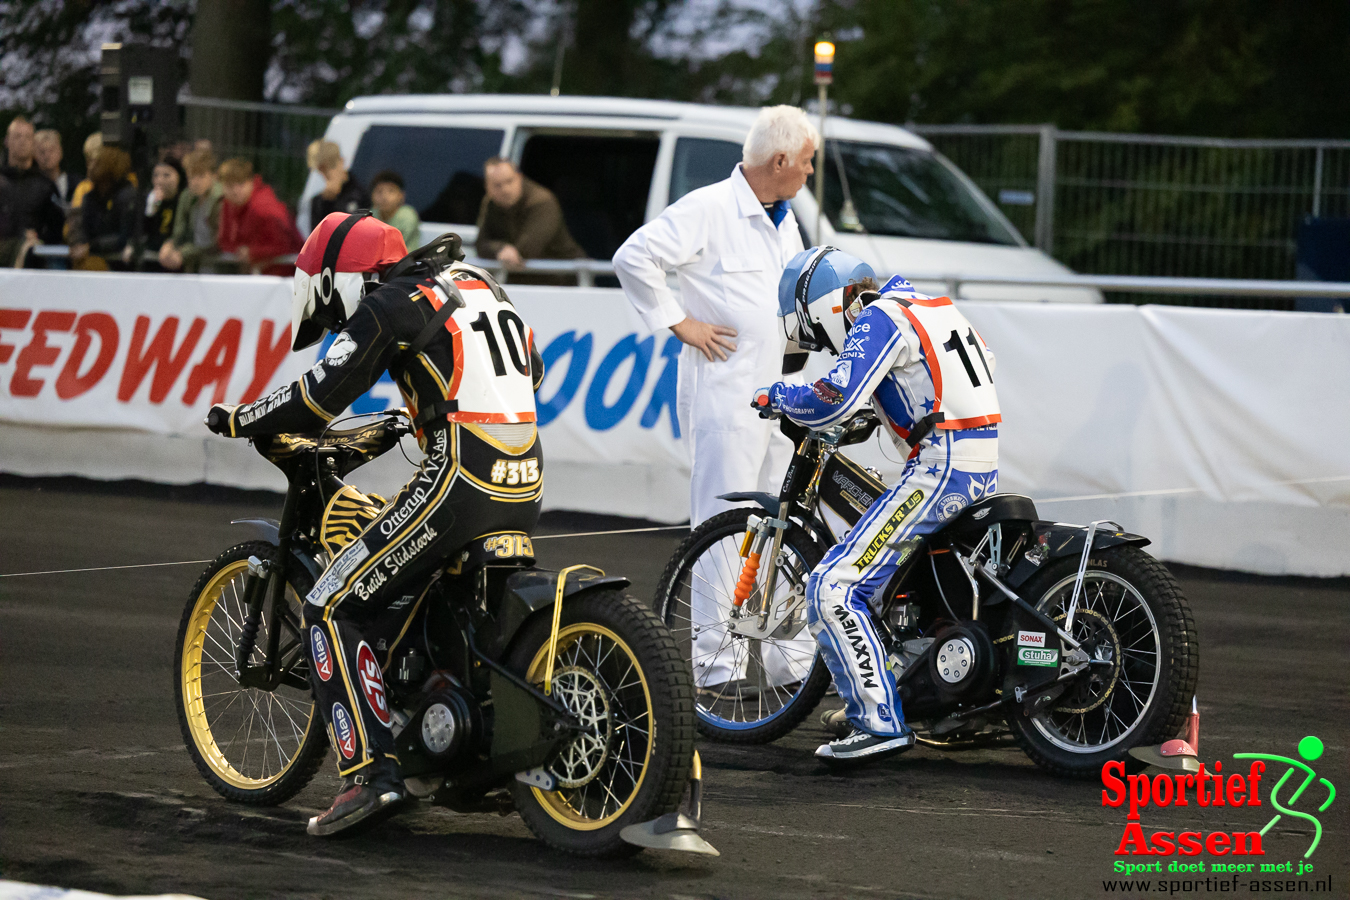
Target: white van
{"x": 616, "y": 163}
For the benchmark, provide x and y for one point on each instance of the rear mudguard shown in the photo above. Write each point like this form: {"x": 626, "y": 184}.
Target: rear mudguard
{"x": 529, "y": 591}
{"x": 1067, "y": 540}
{"x": 270, "y": 531}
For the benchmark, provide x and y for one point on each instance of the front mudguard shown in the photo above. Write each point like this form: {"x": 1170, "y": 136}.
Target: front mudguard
{"x": 1062, "y": 540}
{"x": 270, "y": 531}
{"x": 529, "y": 591}
{"x": 812, "y": 525}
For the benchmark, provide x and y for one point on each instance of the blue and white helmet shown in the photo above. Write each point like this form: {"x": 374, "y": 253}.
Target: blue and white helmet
{"x": 818, "y": 287}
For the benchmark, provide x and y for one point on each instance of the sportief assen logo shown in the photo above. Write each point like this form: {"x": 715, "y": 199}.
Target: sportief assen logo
{"x": 1210, "y": 789}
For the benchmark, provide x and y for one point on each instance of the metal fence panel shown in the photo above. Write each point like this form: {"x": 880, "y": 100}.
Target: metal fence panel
{"x": 1156, "y": 205}
{"x": 271, "y": 136}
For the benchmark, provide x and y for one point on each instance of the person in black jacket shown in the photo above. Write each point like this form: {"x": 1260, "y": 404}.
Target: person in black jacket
{"x": 341, "y": 192}
{"x": 108, "y": 220}
{"x": 468, "y": 367}
{"x": 29, "y": 213}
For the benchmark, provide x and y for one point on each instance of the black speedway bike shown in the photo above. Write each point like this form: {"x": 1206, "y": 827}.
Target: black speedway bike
{"x": 511, "y": 687}
{"x": 1070, "y": 636}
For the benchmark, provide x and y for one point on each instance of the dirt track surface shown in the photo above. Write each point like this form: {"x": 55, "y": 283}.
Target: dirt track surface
{"x": 98, "y": 793}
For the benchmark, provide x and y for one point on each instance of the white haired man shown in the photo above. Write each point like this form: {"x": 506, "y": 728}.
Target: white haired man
{"x": 727, "y": 244}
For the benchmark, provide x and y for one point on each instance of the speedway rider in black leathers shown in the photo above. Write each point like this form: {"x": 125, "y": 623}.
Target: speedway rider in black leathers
{"x": 467, "y": 368}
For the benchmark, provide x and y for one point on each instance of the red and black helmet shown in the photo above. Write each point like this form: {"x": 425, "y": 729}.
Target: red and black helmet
{"x": 331, "y": 270}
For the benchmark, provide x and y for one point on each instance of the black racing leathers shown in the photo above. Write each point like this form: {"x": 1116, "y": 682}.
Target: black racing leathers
{"x": 477, "y": 479}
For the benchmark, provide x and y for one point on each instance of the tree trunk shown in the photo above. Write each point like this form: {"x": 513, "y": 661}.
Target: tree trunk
{"x": 231, "y": 46}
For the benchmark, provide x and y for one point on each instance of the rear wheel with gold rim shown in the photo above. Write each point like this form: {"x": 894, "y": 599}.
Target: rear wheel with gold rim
{"x": 618, "y": 670}
{"x": 251, "y": 745}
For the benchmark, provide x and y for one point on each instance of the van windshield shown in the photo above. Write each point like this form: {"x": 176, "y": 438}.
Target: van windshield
{"x": 442, "y": 168}
{"x": 906, "y": 192}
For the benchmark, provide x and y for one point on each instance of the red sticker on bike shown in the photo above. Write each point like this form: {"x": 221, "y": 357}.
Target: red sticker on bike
{"x": 372, "y": 685}
{"x": 345, "y": 731}
{"x": 318, "y": 652}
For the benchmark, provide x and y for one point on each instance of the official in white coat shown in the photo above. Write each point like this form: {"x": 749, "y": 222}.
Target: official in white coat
{"x": 727, "y": 244}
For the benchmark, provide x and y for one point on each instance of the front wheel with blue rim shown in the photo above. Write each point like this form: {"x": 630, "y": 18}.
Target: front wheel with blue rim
{"x": 746, "y": 690}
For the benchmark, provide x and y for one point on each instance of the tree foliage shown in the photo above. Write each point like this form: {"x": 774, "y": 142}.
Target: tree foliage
{"x": 49, "y": 56}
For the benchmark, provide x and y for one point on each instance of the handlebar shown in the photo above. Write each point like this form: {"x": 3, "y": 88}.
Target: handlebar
{"x": 855, "y": 430}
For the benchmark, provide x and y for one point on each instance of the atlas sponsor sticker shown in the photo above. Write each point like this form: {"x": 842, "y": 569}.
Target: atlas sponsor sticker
{"x": 1030, "y": 656}
{"x": 344, "y": 730}
{"x": 318, "y": 652}
{"x": 372, "y": 685}
{"x": 888, "y": 530}
{"x": 1031, "y": 639}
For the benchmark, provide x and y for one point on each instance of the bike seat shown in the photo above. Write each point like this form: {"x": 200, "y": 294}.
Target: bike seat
{"x": 995, "y": 508}
{"x": 496, "y": 549}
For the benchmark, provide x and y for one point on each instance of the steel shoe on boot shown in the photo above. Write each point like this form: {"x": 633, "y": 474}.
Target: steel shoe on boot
{"x": 860, "y": 746}
{"x": 366, "y": 799}
{"x": 836, "y": 722}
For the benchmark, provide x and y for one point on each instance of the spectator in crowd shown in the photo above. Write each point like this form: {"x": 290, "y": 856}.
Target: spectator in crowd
{"x": 106, "y": 226}
{"x": 48, "y": 154}
{"x": 92, "y": 145}
{"x": 387, "y": 196}
{"x": 341, "y": 192}
{"x": 254, "y": 225}
{"x": 29, "y": 214}
{"x": 196, "y": 224}
{"x": 520, "y": 219}
{"x": 161, "y": 205}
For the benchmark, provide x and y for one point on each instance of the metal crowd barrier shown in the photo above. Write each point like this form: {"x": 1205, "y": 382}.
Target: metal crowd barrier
{"x": 585, "y": 271}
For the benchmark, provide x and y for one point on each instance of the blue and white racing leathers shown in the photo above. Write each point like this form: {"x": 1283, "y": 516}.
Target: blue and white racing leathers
{"x": 920, "y": 364}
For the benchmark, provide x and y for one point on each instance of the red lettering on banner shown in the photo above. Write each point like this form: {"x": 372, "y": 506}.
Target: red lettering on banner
{"x": 267, "y": 359}
{"x": 15, "y": 319}
{"x": 217, "y": 365}
{"x": 167, "y": 363}
{"x": 38, "y": 352}
{"x": 70, "y": 383}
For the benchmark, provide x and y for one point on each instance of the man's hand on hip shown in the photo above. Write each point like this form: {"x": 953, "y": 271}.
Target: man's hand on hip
{"x": 707, "y": 339}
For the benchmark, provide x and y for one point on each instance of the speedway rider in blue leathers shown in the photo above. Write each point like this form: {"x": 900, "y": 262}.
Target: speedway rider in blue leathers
{"x": 929, "y": 377}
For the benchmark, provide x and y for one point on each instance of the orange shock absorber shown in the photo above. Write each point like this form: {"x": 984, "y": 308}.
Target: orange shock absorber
{"x": 746, "y": 584}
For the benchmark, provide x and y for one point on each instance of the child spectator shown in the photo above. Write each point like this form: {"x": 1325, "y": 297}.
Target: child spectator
{"x": 254, "y": 225}
{"x": 341, "y": 192}
{"x": 106, "y": 227}
{"x": 196, "y": 224}
{"x": 161, "y": 205}
{"x": 387, "y": 196}
{"x": 92, "y": 145}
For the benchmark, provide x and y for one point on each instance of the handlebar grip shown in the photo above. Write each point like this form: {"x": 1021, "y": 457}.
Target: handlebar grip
{"x": 218, "y": 420}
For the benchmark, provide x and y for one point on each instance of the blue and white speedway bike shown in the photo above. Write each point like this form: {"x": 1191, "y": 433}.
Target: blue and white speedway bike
{"x": 1070, "y": 636}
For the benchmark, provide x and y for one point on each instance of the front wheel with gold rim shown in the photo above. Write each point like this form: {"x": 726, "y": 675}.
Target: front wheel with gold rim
{"x": 252, "y": 745}
{"x": 618, "y": 670}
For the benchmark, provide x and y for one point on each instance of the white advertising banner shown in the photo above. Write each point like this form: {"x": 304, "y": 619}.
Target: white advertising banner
{"x": 1222, "y": 435}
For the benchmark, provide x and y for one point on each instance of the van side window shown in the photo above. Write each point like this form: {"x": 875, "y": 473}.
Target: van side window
{"x": 442, "y": 168}
{"x": 601, "y": 181}
{"x": 699, "y": 162}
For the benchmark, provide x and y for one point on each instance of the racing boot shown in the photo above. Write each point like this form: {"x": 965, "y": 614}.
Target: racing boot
{"x": 836, "y": 722}
{"x": 859, "y": 746}
{"x": 367, "y": 798}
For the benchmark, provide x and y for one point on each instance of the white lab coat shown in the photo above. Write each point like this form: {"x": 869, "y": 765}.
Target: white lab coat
{"x": 727, "y": 257}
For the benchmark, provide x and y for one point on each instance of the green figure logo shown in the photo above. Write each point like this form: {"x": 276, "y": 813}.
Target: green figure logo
{"x": 1310, "y": 748}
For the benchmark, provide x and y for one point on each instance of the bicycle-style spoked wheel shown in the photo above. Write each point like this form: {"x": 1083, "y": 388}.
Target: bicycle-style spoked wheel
{"x": 747, "y": 690}
{"x": 1142, "y": 672}
{"x": 252, "y": 745}
{"x": 618, "y": 672}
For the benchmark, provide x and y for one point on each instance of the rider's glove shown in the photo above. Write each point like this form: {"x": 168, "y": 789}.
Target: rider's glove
{"x": 763, "y": 403}
{"x": 218, "y": 419}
